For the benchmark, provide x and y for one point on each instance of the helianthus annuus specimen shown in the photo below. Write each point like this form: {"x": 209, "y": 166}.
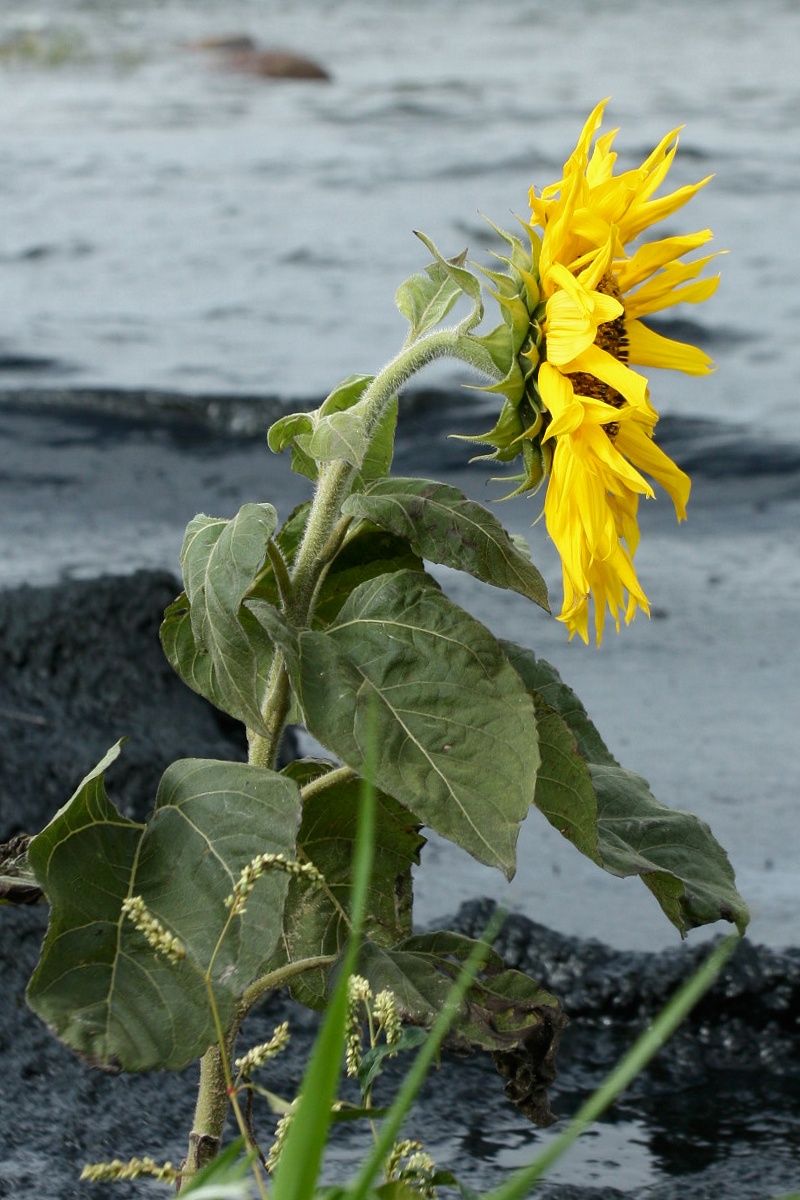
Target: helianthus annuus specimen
{"x": 579, "y": 402}
{"x": 601, "y": 419}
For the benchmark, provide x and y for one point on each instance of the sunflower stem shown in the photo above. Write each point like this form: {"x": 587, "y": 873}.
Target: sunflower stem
{"x": 336, "y": 478}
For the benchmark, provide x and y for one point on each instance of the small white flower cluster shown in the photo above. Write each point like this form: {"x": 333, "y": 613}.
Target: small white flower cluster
{"x": 244, "y": 885}
{"x": 135, "y": 1168}
{"x": 161, "y": 940}
{"x": 281, "y": 1130}
{"x": 418, "y": 1170}
{"x": 383, "y": 1015}
{"x": 258, "y": 1055}
{"x": 358, "y": 992}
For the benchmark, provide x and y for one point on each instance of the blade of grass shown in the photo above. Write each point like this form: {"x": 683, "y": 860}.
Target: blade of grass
{"x": 637, "y": 1058}
{"x": 415, "y": 1077}
{"x": 298, "y": 1168}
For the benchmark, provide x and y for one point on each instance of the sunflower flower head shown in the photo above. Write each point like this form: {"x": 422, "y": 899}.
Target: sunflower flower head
{"x": 573, "y": 297}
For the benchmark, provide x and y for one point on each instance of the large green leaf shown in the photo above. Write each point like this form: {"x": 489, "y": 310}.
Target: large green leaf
{"x": 541, "y": 678}
{"x": 211, "y": 639}
{"x": 99, "y": 984}
{"x": 455, "y": 725}
{"x": 316, "y": 922}
{"x": 674, "y": 852}
{"x": 504, "y": 1011}
{"x": 367, "y": 553}
{"x": 564, "y": 790}
{"x": 445, "y": 527}
{"x": 581, "y": 784}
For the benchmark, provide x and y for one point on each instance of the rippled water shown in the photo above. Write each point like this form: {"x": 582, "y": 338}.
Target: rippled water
{"x": 168, "y": 223}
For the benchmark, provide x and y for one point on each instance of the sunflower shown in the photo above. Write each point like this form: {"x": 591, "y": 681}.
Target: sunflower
{"x": 598, "y": 417}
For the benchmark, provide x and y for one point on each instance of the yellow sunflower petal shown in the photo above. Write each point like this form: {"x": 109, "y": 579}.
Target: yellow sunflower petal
{"x": 646, "y": 348}
{"x": 616, "y": 374}
{"x": 654, "y": 255}
{"x": 639, "y": 447}
{"x": 601, "y": 164}
{"x": 641, "y": 216}
{"x": 694, "y": 293}
{"x": 571, "y": 322}
{"x": 668, "y": 288}
{"x": 558, "y": 397}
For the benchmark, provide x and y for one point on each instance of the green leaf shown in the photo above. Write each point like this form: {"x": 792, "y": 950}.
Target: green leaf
{"x": 342, "y": 436}
{"x": 211, "y": 639}
{"x": 445, "y": 527}
{"x": 462, "y": 278}
{"x": 426, "y": 298}
{"x": 99, "y": 984}
{"x": 285, "y": 432}
{"x": 674, "y": 852}
{"x": 501, "y": 1008}
{"x": 372, "y": 1062}
{"x": 337, "y": 431}
{"x": 455, "y": 725}
{"x": 380, "y": 452}
{"x": 579, "y": 782}
{"x": 565, "y": 792}
{"x": 316, "y": 922}
{"x": 367, "y": 553}
{"x": 544, "y": 680}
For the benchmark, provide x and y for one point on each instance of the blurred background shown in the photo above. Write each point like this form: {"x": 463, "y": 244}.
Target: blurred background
{"x": 173, "y": 220}
{"x": 178, "y": 221}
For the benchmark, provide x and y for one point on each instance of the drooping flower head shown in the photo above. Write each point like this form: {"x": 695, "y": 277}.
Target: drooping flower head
{"x": 572, "y": 393}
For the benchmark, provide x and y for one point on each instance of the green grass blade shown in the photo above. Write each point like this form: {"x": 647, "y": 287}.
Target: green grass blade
{"x": 637, "y": 1058}
{"x": 298, "y": 1168}
{"x": 414, "y": 1079}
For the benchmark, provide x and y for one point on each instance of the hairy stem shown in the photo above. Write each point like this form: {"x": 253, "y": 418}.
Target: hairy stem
{"x": 209, "y": 1114}
{"x": 263, "y": 750}
{"x": 336, "y": 478}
